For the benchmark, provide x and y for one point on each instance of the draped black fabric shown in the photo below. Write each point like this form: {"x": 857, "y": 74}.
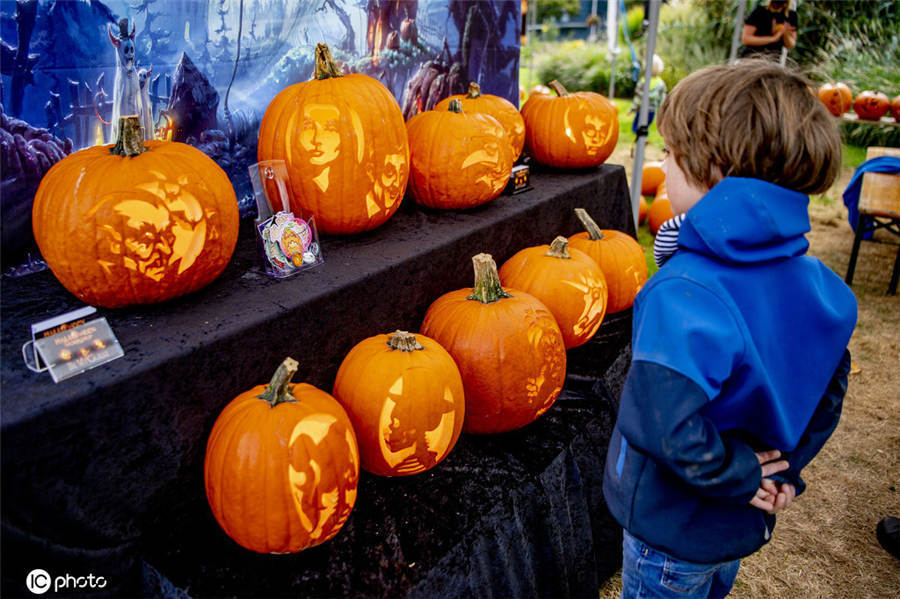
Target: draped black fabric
{"x": 102, "y": 473}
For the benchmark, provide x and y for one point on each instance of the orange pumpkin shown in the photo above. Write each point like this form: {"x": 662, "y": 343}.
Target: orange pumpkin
{"x": 404, "y": 395}
{"x": 343, "y": 140}
{"x": 282, "y": 466}
{"x": 508, "y": 347}
{"x": 619, "y": 256}
{"x": 660, "y": 211}
{"x": 499, "y": 108}
{"x": 458, "y": 159}
{"x": 651, "y": 176}
{"x": 836, "y": 97}
{"x": 642, "y": 210}
{"x": 572, "y": 130}
{"x": 871, "y": 105}
{"x": 135, "y": 223}
{"x": 895, "y": 108}
{"x": 567, "y": 281}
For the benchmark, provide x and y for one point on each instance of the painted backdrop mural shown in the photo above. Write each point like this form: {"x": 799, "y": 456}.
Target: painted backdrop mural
{"x": 203, "y": 71}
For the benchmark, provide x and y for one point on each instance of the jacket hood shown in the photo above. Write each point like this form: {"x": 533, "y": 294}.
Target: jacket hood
{"x": 743, "y": 220}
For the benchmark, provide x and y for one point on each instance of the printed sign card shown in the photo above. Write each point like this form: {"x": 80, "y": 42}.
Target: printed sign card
{"x": 70, "y": 344}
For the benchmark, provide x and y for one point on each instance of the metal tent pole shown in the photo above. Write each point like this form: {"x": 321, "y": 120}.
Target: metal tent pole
{"x": 612, "y": 33}
{"x": 637, "y": 169}
{"x": 738, "y": 28}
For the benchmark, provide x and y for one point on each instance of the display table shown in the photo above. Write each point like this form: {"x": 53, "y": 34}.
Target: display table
{"x": 102, "y": 473}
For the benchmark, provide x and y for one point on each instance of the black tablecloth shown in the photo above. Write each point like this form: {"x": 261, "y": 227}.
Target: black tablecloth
{"x": 102, "y": 473}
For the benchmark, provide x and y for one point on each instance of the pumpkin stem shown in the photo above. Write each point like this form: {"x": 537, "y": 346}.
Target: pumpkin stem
{"x": 404, "y": 341}
{"x": 589, "y": 225}
{"x": 129, "y": 140}
{"x": 558, "y": 88}
{"x": 487, "y": 282}
{"x": 474, "y": 90}
{"x": 455, "y": 106}
{"x": 326, "y": 67}
{"x": 559, "y": 248}
{"x": 279, "y": 388}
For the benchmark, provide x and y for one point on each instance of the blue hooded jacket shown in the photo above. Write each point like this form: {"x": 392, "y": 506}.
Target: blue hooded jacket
{"x": 739, "y": 345}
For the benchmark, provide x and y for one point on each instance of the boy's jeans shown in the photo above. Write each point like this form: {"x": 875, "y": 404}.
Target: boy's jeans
{"x": 649, "y": 573}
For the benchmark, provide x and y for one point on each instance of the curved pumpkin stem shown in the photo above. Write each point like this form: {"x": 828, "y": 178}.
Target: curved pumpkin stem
{"x": 130, "y": 140}
{"x": 474, "y": 90}
{"x": 559, "y": 248}
{"x": 404, "y": 341}
{"x": 558, "y": 88}
{"x": 326, "y": 68}
{"x": 487, "y": 282}
{"x": 589, "y": 225}
{"x": 279, "y": 388}
{"x": 455, "y": 106}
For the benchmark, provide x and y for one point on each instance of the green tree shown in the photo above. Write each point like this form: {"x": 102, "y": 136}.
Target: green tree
{"x": 555, "y": 9}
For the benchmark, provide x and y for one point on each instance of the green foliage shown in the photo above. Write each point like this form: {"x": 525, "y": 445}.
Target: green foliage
{"x": 692, "y": 36}
{"x": 555, "y": 9}
{"x": 581, "y": 66}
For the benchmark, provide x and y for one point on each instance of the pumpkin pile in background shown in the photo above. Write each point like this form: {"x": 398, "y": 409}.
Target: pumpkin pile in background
{"x": 836, "y": 97}
{"x": 869, "y": 105}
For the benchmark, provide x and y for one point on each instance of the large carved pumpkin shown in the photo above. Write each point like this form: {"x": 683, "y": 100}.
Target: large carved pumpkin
{"x": 619, "y": 256}
{"x": 571, "y": 130}
{"x": 508, "y": 347}
{"x": 836, "y": 97}
{"x": 458, "y": 159}
{"x": 564, "y": 279}
{"x": 404, "y": 395}
{"x": 282, "y": 466}
{"x": 135, "y": 223}
{"x": 343, "y": 139}
{"x": 871, "y": 105}
{"x": 499, "y": 108}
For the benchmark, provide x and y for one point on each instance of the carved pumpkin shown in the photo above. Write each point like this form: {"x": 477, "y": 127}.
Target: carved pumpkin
{"x": 572, "y": 130}
{"x": 836, "y": 97}
{"x": 567, "y": 281}
{"x": 458, "y": 159}
{"x": 343, "y": 140}
{"x": 499, "y": 108}
{"x": 618, "y": 255}
{"x": 282, "y": 466}
{"x": 508, "y": 347}
{"x": 659, "y": 212}
{"x": 871, "y": 105}
{"x": 895, "y": 108}
{"x": 135, "y": 223}
{"x": 404, "y": 395}
{"x": 651, "y": 177}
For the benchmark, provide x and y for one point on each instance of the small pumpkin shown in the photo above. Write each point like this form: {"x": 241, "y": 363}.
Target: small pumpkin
{"x": 343, "y": 140}
{"x": 282, "y": 466}
{"x": 618, "y": 255}
{"x": 495, "y": 106}
{"x": 871, "y": 105}
{"x": 564, "y": 279}
{"x": 458, "y": 159}
{"x": 571, "y": 130}
{"x": 137, "y": 222}
{"x": 651, "y": 176}
{"x": 642, "y": 210}
{"x": 895, "y": 108}
{"x": 508, "y": 347}
{"x": 836, "y": 97}
{"x": 659, "y": 212}
{"x": 404, "y": 395}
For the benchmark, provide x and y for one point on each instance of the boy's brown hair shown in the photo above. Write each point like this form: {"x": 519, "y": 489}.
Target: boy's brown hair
{"x": 751, "y": 119}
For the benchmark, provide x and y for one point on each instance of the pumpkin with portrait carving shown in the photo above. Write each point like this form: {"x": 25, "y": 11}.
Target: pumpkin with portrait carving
{"x": 570, "y": 130}
{"x": 871, "y": 105}
{"x": 618, "y": 255}
{"x": 404, "y": 395}
{"x": 507, "y": 345}
{"x": 282, "y": 466}
{"x": 458, "y": 159}
{"x": 344, "y": 144}
{"x": 567, "y": 281}
{"x": 499, "y": 108}
{"x": 137, "y": 222}
{"x": 836, "y": 97}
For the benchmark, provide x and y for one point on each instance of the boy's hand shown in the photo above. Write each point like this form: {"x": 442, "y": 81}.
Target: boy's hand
{"x": 768, "y": 495}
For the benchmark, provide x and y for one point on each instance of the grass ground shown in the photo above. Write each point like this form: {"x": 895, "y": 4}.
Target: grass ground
{"x": 824, "y": 545}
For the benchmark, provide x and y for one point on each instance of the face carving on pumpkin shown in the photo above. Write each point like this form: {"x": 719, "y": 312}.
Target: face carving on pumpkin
{"x": 323, "y": 498}
{"x": 321, "y": 139}
{"x": 410, "y": 441}
{"x": 594, "y": 134}
{"x": 387, "y": 183}
{"x": 592, "y": 288}
{"x": 487, "y": 160}
{"x": 549, "y": 347}
{"x": 154, "y": 228}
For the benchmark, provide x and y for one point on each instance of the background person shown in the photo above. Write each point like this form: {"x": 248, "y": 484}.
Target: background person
{"x": 769, "y": 28}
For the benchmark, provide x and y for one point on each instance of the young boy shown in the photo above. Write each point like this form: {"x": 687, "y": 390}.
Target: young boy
{"x": 739, "y": 362}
